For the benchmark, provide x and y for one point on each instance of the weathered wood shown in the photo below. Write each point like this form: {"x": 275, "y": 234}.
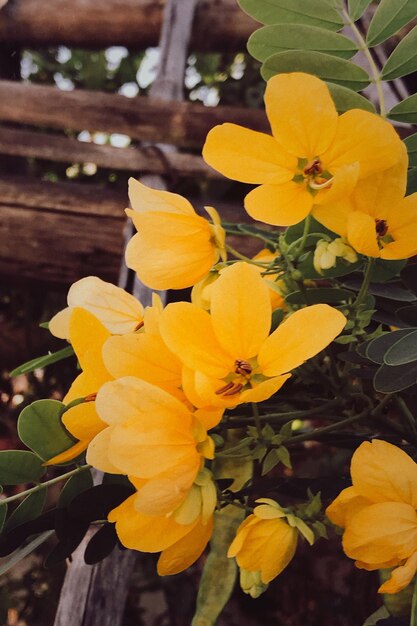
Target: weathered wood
{"x": 220, "y": 24}
{"x": 40, "y": 145}
{"x": 183, "y": 124}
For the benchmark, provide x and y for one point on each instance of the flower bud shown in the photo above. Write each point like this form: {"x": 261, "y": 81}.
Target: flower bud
{"x": 251, "y": 583}
{"x": 327, "y": 253}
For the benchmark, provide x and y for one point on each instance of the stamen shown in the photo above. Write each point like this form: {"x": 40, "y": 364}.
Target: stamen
{"x": 381, "y": 227}
{"x": 230, "y": 389}
{"x": 90, "y": 398}
{"x": 139, "y": 325}
{"x": 318, "y": 186}
{"x": 313, "y": 168}
{"x": 243, "y": 367}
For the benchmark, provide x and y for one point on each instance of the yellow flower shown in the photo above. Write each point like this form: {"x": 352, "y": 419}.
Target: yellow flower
{"x": 174, "y": 247}
{"x": 313, "y": 157}
{"x": 377, "y": 220}
{"x": 116, "y": 309}
{"x": 265, "y": 542}
{"x": 87, "y": 336}
{"x": 379, "y": 512}
{"x": 153, "y": 438}
{"x": 181, "y": 544}
{"x": 230, "y": 354}
{"x": 272, "y": 280}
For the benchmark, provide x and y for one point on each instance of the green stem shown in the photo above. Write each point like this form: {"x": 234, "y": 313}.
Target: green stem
{"x": 302, "y": 241}
{"x": 365, "y": 284}
{"x": 257, "y": 420}
{"x": 242, "y": 257}
{"x": 374, "y": 69}
{"x": 44, "y": 485}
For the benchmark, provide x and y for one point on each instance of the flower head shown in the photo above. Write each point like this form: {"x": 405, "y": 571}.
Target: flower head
{"x": 229, "y": 355}
{"x": 174, "y": 247}
{"x": 313, "y": 158}
{"x": 379, "y": 514}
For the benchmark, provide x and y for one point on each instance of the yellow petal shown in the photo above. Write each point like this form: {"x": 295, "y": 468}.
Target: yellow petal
{"x": 68, "y": 455}
{"x": 163, "y": 494}
{"x": 147, "y": 533}
{"x": 83, "y": 422}
{"x": 280, "y": 205}
{"x": 59, "y": 324}
{"x": 382, "y": 532}
{"x": 241, "y": 310}
{"x": 264, "y": 390}
{"x": 343, "y": 183}
{"x": 401, "y": 577}
{"x": 131, "y": 397}
{"x": 301, "y": 336}
{"x": 280, "y": 552}
{"x": 366, "y": 138}
{"x": 403, "y": 248}
{"x": 347, "y": 504}
{"x": 302, "y": 113}
{"x": 403, "y": 215}
{"x": 361, "y": 234}
{"x": 334, "y": 216}
{"x": 209, "y": 416}
{"x": 143, "y": 198}
{"x": 144, "y": 356}
{"x": 87, "y": 336}
{"x": 171, "y": 251}
{"x": 188, "y": 332}
{"x": 382, "y": 472}
{"x": 247, "y": 155}
{"x": 186, "y": 551}
{"x": 98, "y": 453}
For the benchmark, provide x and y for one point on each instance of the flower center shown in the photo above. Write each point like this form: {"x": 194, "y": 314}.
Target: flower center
{"x": 381, "y": 227}
{"x": 243, "y": 369}
{"x": 313, "y": 174}
{"x": 313, "y": 168}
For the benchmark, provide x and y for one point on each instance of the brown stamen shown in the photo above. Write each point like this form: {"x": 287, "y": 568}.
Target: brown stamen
{"x": 139, "y": 325}
{"x": 90, "y": 398}
{"x": 313, "y": 168}
{"x": 230, "y": 389}
{"x": 243, "y": 367}
{"x": 381, "y": 228}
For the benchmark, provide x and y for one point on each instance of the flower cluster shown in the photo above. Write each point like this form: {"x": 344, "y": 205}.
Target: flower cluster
{"x": 158, "y": 384}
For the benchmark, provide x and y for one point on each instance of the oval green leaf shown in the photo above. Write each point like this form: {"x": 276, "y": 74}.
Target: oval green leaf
{"x": 20, "y": 466}
{"x": 269, "y": 40}
{"x": 390, "y": 379}
{"x": 405, "y": 111}
{"x": 346, "y": 99}
{"x": 390, "y": 16}
{"x": 319, "y": 295}
{"x": 312, "y": 12}
{"x": 403, "y": 60}
{"x": 411, "y": 143}
{"x": 376, "y": 348}
{"x": 411, "y": 181}
{"x": 42, "y": 361}
{"x": 74, "y": 486}
{"x": 403, "y": 351}
{"x": 29, "y": 509}
{"x": 357, "y": 8}
{"x": 41, "y": 429}
{"x": 325, "y": 66}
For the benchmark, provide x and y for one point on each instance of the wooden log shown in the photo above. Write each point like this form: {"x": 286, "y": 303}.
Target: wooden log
{"x": 48, "y": 146}
{"x": 220, "y": 24}
{"x": 183, "y": 124}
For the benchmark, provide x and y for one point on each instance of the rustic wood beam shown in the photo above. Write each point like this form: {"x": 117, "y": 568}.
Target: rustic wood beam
{"x": 183, "y": 124}
{"x": 220, "y": 24}
{"x": 47, "y": 146}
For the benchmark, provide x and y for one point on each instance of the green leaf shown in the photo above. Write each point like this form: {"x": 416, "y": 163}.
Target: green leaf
{"x": 42, "y": 361}
{"x": 101, "y": 544}
{"x": 405, "y": 111}
{"x": 376, "y": 348}
{"x": 74, "y": 486}
{"x": 345, "y": 99}
{"x": 357, "y": 8}
{"x": 390, "y": 379}
{"x": 411, "y": 181}
{"x": 3, "y": 513}
{"x": 403, "y": 351}
{"x": 385, "y": 270}
{"x": 403, "y": 60}
{"x": 390, "y": 16}
{"x": 272, "y": 39}
{"x": 24, "y": 551}
{"x": 408, "y": 315}
{"x": 411, "y": 143}
{"x": 319, "y": 295}
{"x": 294, "y": 12}
{"x": 20, "y": 466}
{"x": 29, "y": 509}
{"x": 41, "y": 429}
{"x": 380, "y": 614}
{"x": 325, "y": 66}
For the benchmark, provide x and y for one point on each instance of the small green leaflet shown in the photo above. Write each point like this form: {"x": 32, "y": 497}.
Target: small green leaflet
{"x": 390, "y": 16}
{"x": 403, "y": 60}
{"x": 405, "y": 111}
{"x": 20, "y": 466}
{"x": 280, "y": 37}
{"x": 357, "y": 8}
{"x": 345, "y": 99}
{"x": 325, "y": 66}
{"x": 293, "y": 12}
{"x": 42, "y": 361}
{"x": 411, "y": 143}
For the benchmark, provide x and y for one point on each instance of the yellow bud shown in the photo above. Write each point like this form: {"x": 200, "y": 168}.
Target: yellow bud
{"x": 251, "y": 583}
